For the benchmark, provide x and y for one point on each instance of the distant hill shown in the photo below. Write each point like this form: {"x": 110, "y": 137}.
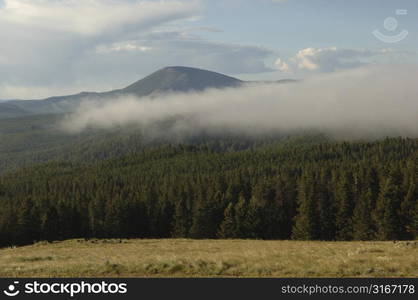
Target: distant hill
{"x": 180, "y": 79}
{"x": 166, "y": 80}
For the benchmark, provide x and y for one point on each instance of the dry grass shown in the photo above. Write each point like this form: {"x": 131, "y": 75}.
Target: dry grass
{"x": 210, "y": 258}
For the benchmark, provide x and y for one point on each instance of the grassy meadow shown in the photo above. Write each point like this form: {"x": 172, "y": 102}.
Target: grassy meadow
{"x": 210, "y": 258}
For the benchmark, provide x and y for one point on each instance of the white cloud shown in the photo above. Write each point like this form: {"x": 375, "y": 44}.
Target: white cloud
{"x": 281, "y": 65}
{"x": 109, "y": 43}
{"x": 305, "y": 57}
{"x": 90, "y": 17}
{"x": 332, "y": 59}
{"x": 122, "y": 46}
{"x": 46, "y": 41}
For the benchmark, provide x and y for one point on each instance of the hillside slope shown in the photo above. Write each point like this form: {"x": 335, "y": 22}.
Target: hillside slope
{"x": 169, "y": 79}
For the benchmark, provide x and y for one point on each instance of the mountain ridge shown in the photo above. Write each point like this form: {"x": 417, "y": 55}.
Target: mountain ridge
{"x": 165, "y": 80}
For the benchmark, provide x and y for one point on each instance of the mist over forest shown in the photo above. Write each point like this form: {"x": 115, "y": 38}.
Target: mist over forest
{"x": 369, "y": 102}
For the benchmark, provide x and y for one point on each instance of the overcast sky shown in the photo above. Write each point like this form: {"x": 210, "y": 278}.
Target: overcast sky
{"x": 54, "y": 47}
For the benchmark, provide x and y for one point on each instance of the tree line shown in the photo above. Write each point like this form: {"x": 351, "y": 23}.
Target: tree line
{"x": 302, "y": 190}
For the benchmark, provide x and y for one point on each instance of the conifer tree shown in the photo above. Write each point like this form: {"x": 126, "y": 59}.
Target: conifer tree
{"x": 51, "y": 225}
{"x": 326, "y": 208}
{"x": 227, "y": 229}
{"x": 27, "y": 223}
{"x": 113, "y": 217}
{"x": 362, "y": 220}
{"x": 414, "y": 221}
{"x": 163, "y": 219}
{"x": 386, "y": 213}
{"x": 265, "y": 211}
{"x": 283, "y": 209}
{"x": 345, "y": 206}
{"x": 408, "y": 207}
{"x": 306, "y": 226}
{"x": 372, "y": 183}
{"x": 96, "y": 213}
{"x": 255, "y": 227}
{"x": 182, "y": 221}
{"x": 8, "y": 222}
{"x": 241, "y": 217}
{"x": 204, "y": 219}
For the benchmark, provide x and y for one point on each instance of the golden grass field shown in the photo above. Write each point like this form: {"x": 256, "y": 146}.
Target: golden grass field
{"x": 210, "y": 258}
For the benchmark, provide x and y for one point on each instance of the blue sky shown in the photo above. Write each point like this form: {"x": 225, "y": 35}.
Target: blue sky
{"x": 295, "y": 24}
{"x": 60, "y": 46}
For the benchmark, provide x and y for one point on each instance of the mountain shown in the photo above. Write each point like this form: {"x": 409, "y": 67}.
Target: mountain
{"x": 180, "y": 79}
{"x": 166, "y": 80}
{"x": 169, "y": 79}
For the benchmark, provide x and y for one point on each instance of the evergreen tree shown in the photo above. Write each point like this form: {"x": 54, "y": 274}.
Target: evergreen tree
{"x": 51, "y": 225}
{"x": 27, "y": 224}
{"x": 386, "y": 213}
{"x": 282, "y": 210}
{"x": 414, "y": 221}
{"x": 163, "y": 219}
{"x": 345, "y": 205}
{"x": 362, "y": 220}
{"x": 326, "y": 209}
{"x": 306, "y": 226}
{"x": 113, "y": 217}
{"x": 96, "y": 215}
{"x": 227, "y": 229}
{"x": 203, "y": 222}
{"x": 255, "y": 227}
{"x": 241, "y": 217}
{"x": 7, "y": 222}
{"x": 266, "y": 211}
{"x": 181, "y": 219}
{"x": 408, "y": 207}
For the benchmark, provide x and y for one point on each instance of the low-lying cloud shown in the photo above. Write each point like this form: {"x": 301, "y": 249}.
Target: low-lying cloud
{"x": 332, "y": 59}
{"x": 367, "y": 102}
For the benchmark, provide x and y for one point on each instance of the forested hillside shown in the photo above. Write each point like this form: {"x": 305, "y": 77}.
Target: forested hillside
{"x": 36, "y": 139}
{"x": 308, "y": 189}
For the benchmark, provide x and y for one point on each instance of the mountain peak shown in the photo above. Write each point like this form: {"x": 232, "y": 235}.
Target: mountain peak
{"x": 181, "y": 79}
{"x": 179, "y": 69}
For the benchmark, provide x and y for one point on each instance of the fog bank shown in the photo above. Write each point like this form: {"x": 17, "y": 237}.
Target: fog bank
{"x": 367, "y": 102}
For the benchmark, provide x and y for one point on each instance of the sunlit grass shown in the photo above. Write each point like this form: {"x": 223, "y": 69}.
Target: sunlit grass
{"x": 210, "y": 258}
